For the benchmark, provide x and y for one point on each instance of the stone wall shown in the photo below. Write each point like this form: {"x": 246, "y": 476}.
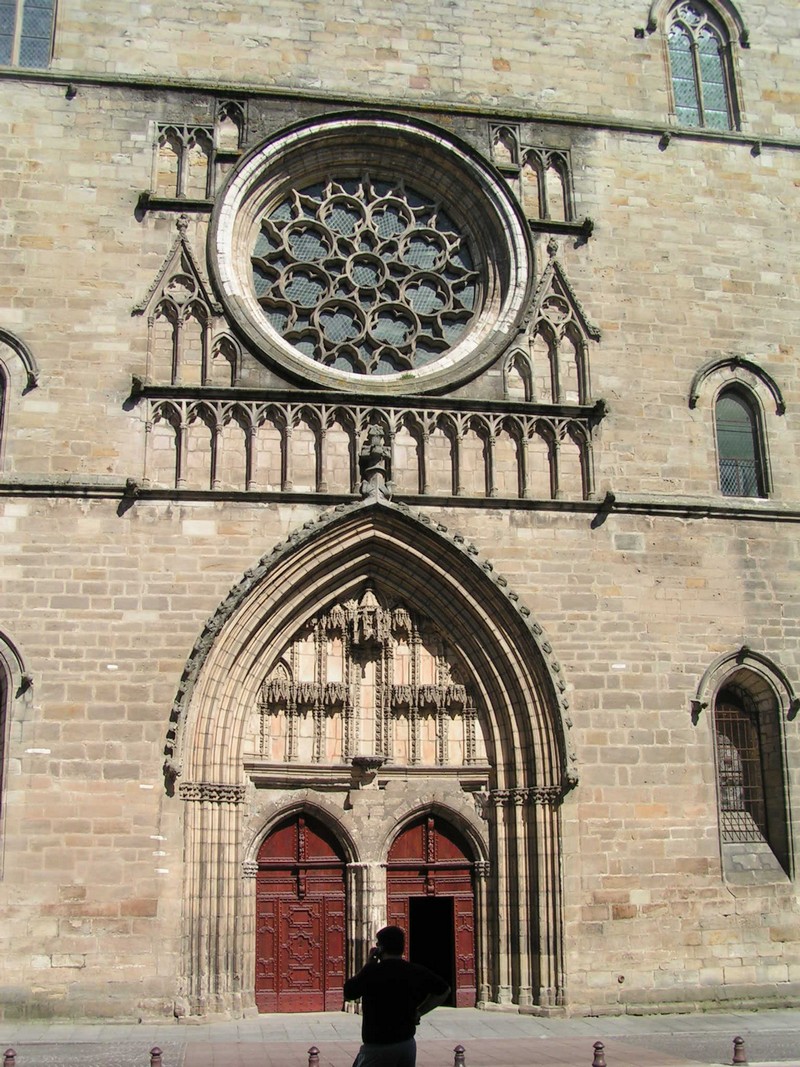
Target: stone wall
{"x": 635, "y": 610}
{"x": 640, "y": 580}
{"x": 563, "y": 58}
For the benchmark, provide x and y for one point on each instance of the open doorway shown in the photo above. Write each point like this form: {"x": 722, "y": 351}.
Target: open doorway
{"x": 430, "y": 938}
{"x": 429, "y": 893}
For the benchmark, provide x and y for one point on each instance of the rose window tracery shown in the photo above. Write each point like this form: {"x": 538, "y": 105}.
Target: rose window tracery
{"x": 361, "y": 246}
{"x": 364, "y": 276}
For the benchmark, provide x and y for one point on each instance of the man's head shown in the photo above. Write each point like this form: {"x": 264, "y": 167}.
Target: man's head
{"x": 391, "y": 940}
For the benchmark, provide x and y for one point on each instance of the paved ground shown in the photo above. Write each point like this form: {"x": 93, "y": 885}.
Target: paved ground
{"x": 490, "y": 1039}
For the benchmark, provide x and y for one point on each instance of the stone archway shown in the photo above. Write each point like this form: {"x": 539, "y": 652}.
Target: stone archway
{"x": 367, "y": 574}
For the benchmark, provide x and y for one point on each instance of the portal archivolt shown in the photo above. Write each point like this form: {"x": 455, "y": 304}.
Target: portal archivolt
{"x": 368, "y": 663}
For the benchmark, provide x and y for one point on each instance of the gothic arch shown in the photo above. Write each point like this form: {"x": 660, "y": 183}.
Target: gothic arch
{"x": 16, "y": 360}
{"x": 748, "y": 699}
{"x": 15, "y": 687}
{"x": 19, "y": 351}
{"x": 728, "y": 370}
{"x": 770, "y": 676}
{"x": 516, "y": 683}
{"x": 725, "y": 10}
{"x": 428, "y": 803}
{"x": 264, "y": 820}
{"x": 506, "y": 653}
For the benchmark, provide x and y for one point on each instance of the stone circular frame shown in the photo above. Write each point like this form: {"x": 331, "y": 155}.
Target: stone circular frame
{"x": 394, "y": 150}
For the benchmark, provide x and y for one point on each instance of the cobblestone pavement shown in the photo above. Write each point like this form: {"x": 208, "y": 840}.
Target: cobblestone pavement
{"x": 490, "y": 1039}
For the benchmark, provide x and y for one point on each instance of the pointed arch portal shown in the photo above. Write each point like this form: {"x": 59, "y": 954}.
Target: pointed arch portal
{"x": 430, "y": 895}
{"x": 406, "y": 669}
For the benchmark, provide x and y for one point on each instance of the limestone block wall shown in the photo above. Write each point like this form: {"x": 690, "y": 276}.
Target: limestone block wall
{"x": 565, "y": 58}
{"x": 692, "y": 259}
{"x": 635, "y": 611}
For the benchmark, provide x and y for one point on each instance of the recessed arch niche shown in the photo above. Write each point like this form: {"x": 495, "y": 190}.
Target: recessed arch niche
{"x": 504, "y": 662}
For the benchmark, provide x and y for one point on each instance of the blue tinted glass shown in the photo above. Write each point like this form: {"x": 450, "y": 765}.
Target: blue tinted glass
{"x": 712, "y": 79}
{"x": 684, "y": 85}
{"x": 37, "y": 30}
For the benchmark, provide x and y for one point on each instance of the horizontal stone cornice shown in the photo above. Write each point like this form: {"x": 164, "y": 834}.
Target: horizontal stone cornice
{"x": 727, "y": 509}
{"x": 752, "y": 139}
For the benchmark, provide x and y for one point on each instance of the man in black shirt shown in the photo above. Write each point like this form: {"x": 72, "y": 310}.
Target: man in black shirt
{"x": 394, "y": 994}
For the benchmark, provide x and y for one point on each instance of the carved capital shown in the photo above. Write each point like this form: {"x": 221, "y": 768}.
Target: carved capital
{"x": 211, "y": 792}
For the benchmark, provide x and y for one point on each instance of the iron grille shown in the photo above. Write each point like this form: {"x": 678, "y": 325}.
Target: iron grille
{"x": 740, "y": 778}
{"x": 738, "y": 477}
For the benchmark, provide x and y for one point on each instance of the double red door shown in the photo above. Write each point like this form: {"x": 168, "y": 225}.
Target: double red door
{"x": 300, "y": 919}
{"x": 430, "y": 895}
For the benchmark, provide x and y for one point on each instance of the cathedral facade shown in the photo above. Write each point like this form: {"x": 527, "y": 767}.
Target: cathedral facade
{"x": 399, "y": 496}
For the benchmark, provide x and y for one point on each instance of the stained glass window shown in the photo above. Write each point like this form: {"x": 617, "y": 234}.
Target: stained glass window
{"x": 26, "y": 32}
{"x": 700, "y": 67}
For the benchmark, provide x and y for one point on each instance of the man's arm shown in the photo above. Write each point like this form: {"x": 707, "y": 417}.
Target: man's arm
{"x": 433, "y": 1000}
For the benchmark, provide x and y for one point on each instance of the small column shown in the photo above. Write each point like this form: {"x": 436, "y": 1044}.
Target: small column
{"x": 520, "y": 798}
{"x": 481, "y": 875}
{"x": 503, "y": 908}
{"x": 250, "y": 458}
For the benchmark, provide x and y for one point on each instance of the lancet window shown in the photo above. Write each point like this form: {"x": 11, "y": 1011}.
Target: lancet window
{"x": 26, "y": 33}
{"x": 700, "y": 66}
{"x": 739, "y": 444}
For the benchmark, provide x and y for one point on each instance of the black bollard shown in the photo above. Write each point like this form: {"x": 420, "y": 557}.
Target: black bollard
{"x": 599, "y": 1054}
{"x": 739, "y": 1054}
{"x": 313, "y": 1056}
{"x": 155, "y": 1056}
{"x": 458, "y": 1059}
{"x": 9, "y": 1058}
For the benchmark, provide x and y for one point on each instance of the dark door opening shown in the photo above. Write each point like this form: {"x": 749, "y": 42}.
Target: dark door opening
{"x": 431, "y": 941}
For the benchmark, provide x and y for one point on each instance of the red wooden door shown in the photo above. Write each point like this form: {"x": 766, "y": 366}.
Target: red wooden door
{"x": 429, "y": 861}
{"x": 300, "y": 911}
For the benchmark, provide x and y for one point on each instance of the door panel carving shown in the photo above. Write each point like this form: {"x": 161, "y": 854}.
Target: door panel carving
{"x": 300, "y": 911}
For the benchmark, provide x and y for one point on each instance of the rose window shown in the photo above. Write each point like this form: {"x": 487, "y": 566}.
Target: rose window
{"x": 369, "y": 251}
{"x": 364, "y": 276}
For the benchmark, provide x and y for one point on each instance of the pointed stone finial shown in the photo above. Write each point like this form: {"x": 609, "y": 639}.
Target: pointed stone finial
{"x": 552, "y": 248}
{"x": 182, "y": 224}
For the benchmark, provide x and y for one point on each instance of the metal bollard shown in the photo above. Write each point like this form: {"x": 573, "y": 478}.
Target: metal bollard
{"x": 313, "y": 1056}
{"x": 739, "y": 1054}
{"x": 599, "y": 1054}
{"x": 155, "y": 1056}
{"x": 458, "y": 1059}
{"x": 9, "y": 1058}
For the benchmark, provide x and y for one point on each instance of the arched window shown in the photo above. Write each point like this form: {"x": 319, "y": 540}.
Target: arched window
{"x": 739, "y": 772}
{"x": 700, "y": 67}
{"x": 750, "y": 778}
{"x": 26, "y": 33}
{"x": 739, "y": 446}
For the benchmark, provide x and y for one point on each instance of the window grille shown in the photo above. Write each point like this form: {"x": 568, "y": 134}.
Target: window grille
{"x": 699, "y": 62}
{"x": 26, "y": 33}
{"x": 738, "y": 447}
{"x": 739, "y": 775}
